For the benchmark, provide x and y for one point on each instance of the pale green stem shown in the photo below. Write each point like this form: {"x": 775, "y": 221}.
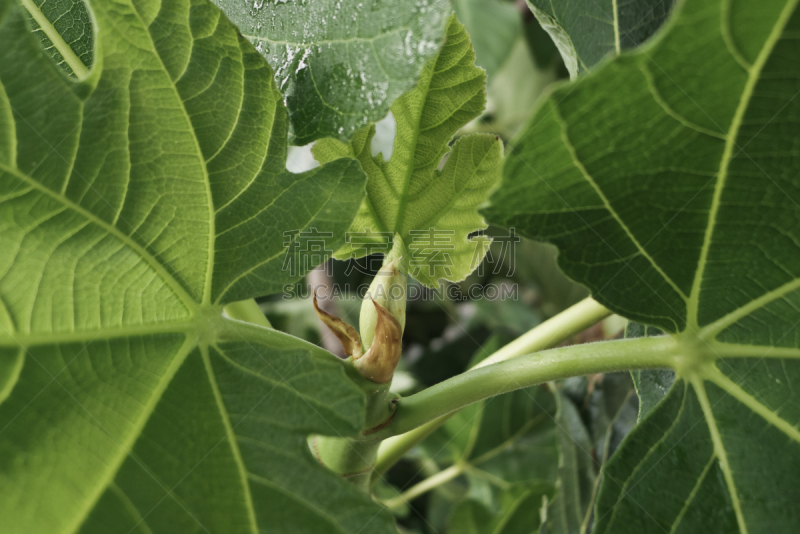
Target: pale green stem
{"x": 453, "y": 471}
{"x": 394, "y": 448}
{"x": 555, "y": 330}
{"x": 434, "y": 481}
{"x": 247, "y": 311}
{"x": 529, "y": 370}
{"x": 550, "y": 333}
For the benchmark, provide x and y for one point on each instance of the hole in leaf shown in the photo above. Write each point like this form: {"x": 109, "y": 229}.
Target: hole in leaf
{"x": 383, "y": 141}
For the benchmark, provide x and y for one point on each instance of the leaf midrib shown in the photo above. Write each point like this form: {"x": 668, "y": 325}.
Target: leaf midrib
{"x": 720, "y": 452}
{"x": 615, "y": 9}
{"x": 718, "y": 378}
{"x": 403, "y": 201}
{"x": 186, "y": 299}
{"x": 128, "y": 505}
{"x": 30, "y": 339}
{"x": 638, "y": 466}
{"x": 692, "y": 494}
{"x": 207, "y": 286}
{"x": 115, "y": 464}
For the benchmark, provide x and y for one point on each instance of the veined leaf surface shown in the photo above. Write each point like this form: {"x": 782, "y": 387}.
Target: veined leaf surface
{"x": 668, "y": 179}
{"x": 133, "y": 205}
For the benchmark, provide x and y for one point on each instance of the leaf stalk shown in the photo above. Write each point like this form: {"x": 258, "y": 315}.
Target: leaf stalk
{"x": 529, "y": 370}
{"x": 548, "y": 334}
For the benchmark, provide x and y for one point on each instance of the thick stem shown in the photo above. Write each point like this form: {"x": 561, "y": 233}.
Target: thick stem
{"x": 550, "y": 333}
{"x": 248, "y": 311}
{"x": 555, "y": 330}
{"x": 394, "y": 448}
{"x": 529, "y": 370}
{"x": 354, "y": 458}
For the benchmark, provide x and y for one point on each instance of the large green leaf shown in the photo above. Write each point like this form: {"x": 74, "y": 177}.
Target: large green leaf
{"x": 433, "y": 211}
{"x": 341, "y": 64}
{"x": 133, "y": 205}
{"x": 668, "y": 179}
{"x": 585, "y": 32}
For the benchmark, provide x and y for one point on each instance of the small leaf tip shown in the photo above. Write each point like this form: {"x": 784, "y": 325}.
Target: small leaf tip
{"x": 347, "y": 335}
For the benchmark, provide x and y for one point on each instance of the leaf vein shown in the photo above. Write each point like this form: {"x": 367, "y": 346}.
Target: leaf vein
{"x": 571, "y": 149}
{"x": 721, "y": 454}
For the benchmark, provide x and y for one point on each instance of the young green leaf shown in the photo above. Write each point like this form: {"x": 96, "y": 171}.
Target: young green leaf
{"x": 668, "y": 180}
{"x": 133, "y": 205}
{"x": 341, "y": 64}
{"x": 433, "y": 211}
{"x": 586, "y": 32}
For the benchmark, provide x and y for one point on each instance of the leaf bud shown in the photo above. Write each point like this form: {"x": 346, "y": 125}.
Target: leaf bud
{"x": 388, "y": 289}
{"x": 379, "y": 362}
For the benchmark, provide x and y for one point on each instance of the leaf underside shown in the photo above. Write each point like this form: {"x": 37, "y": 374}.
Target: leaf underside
{"x": 133, "y": 205}
{"x": 65, "y": 30}
{"x": 586, "y": 32}
{"x": 432, "y": 211}
{"x": 668, "y": 179}
{"x": 341, "y": 64}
